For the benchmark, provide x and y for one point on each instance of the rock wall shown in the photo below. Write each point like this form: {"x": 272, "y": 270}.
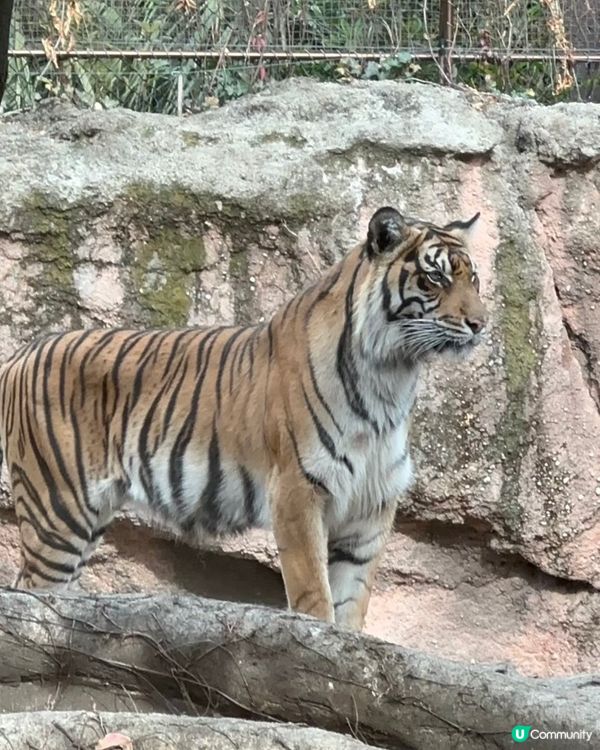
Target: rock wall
{"x": 110, "y": 217}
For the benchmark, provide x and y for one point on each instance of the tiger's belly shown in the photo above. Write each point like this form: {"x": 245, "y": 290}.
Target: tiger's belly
{"x": 206, "y": 498}
{"x": 202, "y": 499}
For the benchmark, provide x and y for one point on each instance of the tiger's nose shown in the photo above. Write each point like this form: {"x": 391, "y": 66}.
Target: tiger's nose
{"x": 475, "y": 324}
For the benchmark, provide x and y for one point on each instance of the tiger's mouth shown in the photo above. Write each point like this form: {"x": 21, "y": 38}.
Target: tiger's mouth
{"x": 459, "y": 342}
{"x": 427, "y": 338}
{"x": 462, "y": 346}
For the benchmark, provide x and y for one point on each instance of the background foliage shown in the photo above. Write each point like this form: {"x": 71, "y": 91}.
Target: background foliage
{"x": 373, "y": 39}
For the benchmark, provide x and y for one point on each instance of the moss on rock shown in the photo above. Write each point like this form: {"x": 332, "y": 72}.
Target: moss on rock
{"x": 163, "y": 272}
{"x": 163, "y": 267}
{"x": 190, "y": 138}
{"x": 518, "y": 326}
{"x": 160, "y": 205}
{"x": 52, "y": 230}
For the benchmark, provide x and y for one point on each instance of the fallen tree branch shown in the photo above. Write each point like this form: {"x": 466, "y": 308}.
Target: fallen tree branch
{"x": 195, "y": 655}
{"x": 83, "y": 730}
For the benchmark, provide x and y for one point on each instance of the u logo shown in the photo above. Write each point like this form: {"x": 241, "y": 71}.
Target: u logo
{"x": 520, "y": 733}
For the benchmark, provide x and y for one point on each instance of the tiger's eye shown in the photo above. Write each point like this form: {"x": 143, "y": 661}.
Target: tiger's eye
{"x": 436, "y": 277}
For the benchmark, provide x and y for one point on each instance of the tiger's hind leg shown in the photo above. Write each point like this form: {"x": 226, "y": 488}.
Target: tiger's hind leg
{"x": 354, "y": 553}
{"x": 111, "y": 497}
{"x": 50, "y": 555}
{"x": 57, "y": 538}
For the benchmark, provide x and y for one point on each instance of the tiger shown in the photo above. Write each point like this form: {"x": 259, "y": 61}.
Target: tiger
{"x": 299, "y": 424}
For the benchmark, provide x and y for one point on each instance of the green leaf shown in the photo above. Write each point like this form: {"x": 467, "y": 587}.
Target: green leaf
{"x": 403, "y": 58}
{"x": 371, "y": 70}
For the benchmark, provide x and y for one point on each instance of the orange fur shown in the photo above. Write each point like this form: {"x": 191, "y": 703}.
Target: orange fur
{"x": 301, "y": 423}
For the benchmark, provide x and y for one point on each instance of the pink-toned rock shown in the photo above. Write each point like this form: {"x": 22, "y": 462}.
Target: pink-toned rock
{"x": 119, "y": 217}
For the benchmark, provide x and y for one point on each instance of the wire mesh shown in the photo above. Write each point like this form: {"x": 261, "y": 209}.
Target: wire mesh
{"x": 169, "y": 55}
{"x": 496, "y": 24}
{"x": 238, "y": 24}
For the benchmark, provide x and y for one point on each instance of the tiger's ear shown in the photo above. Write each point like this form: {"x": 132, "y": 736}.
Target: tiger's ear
{"x": 386, "y": 229}
{"x": 462, "y": 230}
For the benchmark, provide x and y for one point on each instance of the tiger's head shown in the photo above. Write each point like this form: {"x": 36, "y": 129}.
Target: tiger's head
{"x": 423, "y": 289}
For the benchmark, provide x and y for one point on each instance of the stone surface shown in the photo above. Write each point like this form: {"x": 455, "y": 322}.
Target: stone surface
{"x": 113, "y": 216}
{"x": 440, "y": 589}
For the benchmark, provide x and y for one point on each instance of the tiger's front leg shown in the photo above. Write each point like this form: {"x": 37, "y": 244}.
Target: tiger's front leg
{"x": 297, "y": 509}
{"x": 355, "y": 550}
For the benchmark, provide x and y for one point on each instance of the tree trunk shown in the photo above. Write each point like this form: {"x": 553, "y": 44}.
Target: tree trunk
{"x": 6, "y": 8}
{"x": 258, "y": 663}
{"x": 66, "y": 730}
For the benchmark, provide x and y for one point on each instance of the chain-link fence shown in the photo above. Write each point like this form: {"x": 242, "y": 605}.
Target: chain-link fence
{"x": 178, "y": 55}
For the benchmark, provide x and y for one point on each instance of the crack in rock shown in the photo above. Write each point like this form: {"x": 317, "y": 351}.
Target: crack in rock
{"x": 583, "y": 354}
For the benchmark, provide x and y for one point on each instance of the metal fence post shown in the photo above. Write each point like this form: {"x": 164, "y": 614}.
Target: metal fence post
{"x": 6, "y": 7}
{"x": 446, "y": 35}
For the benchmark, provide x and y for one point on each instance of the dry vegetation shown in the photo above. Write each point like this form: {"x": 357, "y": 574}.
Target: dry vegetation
{"x": 495, "y": 31}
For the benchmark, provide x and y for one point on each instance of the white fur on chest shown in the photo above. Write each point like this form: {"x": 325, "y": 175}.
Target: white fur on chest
{"x": 381, "y": 471}
{"x": 371, "y": 469}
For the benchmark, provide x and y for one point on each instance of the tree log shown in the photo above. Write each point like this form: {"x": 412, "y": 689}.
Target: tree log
{"x": 252, "y": 662}
{"x": 70, "y": 730}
